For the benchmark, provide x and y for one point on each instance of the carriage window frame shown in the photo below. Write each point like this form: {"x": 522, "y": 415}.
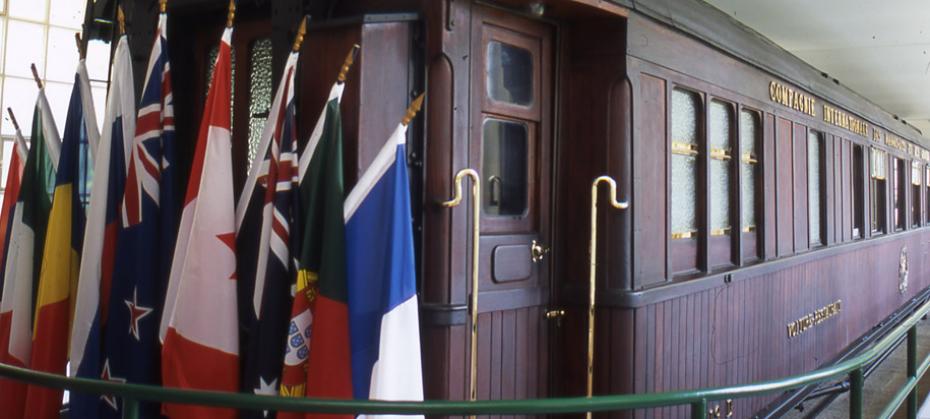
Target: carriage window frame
{"x": 687, "y": 150}
{"x": 878, "y": 206}
{"x": 927, "y": 193}
{"x": 915, "y": 193}
{"x": 721, "y": 195}
{"x": 899, "y": 194}
{"x": 858, "y": 191}
{"x": 816, "y": 188}
{"x": 750, "y": 161}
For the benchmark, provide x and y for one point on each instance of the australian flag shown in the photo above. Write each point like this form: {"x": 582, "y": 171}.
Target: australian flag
{"x": 149, "y": 212}
{"x": 265, "y": 213}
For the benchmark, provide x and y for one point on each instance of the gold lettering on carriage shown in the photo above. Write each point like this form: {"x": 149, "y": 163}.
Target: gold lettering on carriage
{"x": 789, "y": 97}
{"x": 814, "y": 318}
{"x": 844, "y": 120}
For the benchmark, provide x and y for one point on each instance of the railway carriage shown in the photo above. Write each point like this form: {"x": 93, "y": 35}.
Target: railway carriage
{"x": 776, "y": 221}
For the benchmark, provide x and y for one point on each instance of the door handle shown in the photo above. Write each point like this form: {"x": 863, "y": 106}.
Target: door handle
{"x": 538, "y": 251}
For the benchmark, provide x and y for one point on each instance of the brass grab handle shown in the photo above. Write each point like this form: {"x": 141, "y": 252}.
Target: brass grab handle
{"x": 592, "y": 269}
{"x": 475, "y": 246}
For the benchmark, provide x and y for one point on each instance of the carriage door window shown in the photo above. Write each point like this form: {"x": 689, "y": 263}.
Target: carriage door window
{"x": 721, "y": 117}
{"x": 877, "y": 191}
{"x": 858, "y": 192}
{"x": 915, "y": 196}
{"x": 815, "y": 188}
{"x": 504, "y": 162}
{"x": 927, "y": 185}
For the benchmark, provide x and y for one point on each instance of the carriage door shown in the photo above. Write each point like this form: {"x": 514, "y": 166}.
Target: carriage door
{"x": 510, "y": 144}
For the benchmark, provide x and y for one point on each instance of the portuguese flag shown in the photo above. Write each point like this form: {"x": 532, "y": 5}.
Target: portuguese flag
{"x": 317, "y": 356}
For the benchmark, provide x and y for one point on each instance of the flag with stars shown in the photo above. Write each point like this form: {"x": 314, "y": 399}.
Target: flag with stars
{"x": 144, "y": 241}
{"x": 199, "y": 327}
{"x": 95, "y": 276}
{"x": 264, "y": 216}
{"x": 61, "y": 257}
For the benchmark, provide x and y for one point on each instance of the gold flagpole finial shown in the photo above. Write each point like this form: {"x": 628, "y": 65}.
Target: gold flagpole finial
{"x": 413, "y": 109}
{"x": 231, "y": 15}
{"x": 162, "y": 6}
{"x": 347, "y": 64}
{"x": 120, "y": 20}
{"x": 12, "y": 118}
{"x": 35, "y": 75}
{"x": 80, "y": 45}
{"x": 301, "y": 31}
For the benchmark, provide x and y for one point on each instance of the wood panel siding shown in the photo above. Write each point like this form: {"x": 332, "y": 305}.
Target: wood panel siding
{"x": 736, "y": 333}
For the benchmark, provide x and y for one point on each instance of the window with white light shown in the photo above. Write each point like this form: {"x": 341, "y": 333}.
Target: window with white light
{"x": 42, "y": 32}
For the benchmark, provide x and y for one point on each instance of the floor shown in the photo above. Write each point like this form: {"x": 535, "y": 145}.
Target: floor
{"x": 884, "y": 382}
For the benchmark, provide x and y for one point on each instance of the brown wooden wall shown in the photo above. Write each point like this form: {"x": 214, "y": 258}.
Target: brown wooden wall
{"x": 736, "y": 333}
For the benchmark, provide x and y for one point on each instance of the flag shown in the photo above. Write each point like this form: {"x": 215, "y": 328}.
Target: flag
{"x": 27, "y": 242}
{"x": 61, "y": 257}
{"x": 199, "y": 328}
{"x": 264, "y": 216}
{"x": 10, "y": 194}
{"x": 144, "y": 239}
{"x": 97, "y": 256}
{"x": 383, "y": 312}
{"x": 11, "y": 393}
{"x": 319, "y": 366}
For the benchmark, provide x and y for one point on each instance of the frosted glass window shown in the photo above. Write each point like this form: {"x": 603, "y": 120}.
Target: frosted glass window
{"x": 749, "y": 137}
{"x": 915, "y": 173}
{"x": 684, "y": 115}
{"x": 877, "y": 191}
{"x": 259, "y": 92}
{"x": 721, "y": 117}
{"x": 509, "y": 73}
{"x": 504, "y": 167}
{"x": 814, "y": 192}
{"x": 915, "y": 189}
{"x": 26, "y": 42}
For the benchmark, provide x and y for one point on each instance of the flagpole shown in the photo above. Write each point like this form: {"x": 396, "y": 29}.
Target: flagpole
{"x": 301, "y": 31}
{"x": 120, "y": 21}
{"x": 82, "y": 53}
{"x": 347, "y": 64}
{"x": 12, "y": 118}
{"x": 231, "y": 14}
{"x": 35, "y": 75}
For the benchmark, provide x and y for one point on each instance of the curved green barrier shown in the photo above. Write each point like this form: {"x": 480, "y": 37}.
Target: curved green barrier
{"x": 698, "y": 399}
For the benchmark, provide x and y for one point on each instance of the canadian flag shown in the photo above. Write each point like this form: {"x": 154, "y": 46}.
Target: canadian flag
{"x": 199, "y": 327}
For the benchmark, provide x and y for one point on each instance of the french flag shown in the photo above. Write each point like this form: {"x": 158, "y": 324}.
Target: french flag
{"x": 383, "y": 315}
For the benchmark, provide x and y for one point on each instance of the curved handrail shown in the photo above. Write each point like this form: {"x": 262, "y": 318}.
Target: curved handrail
{"x": 696, "y": 398}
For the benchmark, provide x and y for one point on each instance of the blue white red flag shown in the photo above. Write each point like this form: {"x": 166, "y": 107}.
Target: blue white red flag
{"x": 383, "y": 314}
{"x": 97, "y": 257}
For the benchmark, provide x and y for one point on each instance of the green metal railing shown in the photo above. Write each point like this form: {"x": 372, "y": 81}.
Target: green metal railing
{"x": 133, "y": 394}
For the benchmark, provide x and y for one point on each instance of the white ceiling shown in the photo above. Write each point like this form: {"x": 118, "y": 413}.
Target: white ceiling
{"x": 878, "y": 48}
